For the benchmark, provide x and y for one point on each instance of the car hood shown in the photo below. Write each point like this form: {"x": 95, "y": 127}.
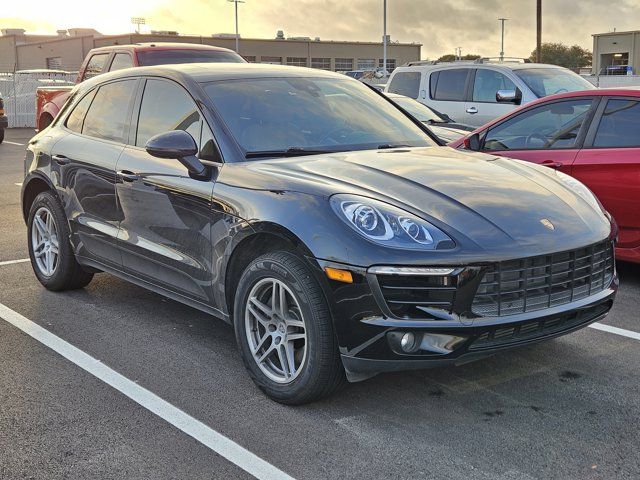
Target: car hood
{"x": 491, "y": 201}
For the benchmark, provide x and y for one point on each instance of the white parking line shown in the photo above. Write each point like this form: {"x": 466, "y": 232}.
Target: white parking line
{"x": 217, "y": 442}
{"x": 11, "y": 262}
{"x": 14, "y": 143}
{"x": 616, "y": 330}
{"x": 18, "y": 184}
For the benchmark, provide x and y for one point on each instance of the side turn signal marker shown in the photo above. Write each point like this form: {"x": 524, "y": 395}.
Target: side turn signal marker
{"x": 338, "y": 275}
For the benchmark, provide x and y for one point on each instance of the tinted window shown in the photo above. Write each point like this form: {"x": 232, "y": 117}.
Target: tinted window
{"x": 311, "y": 113}
{"x": 487, "y": 83}
{"x": 76, "y": 118}
{"x": 449, "y": 84}
{"x": 167, "y": 57}
{"x": 553, "y": 126}
{"x": 406, "y": 83}
{"x": 120, "y": 61}
{"x": 175, "y": 111}
{"x": 548, "y": 81}
{"x": 107, "y": 116}
{"x": 96, "y": 65}
{"x": 620, "y": 125}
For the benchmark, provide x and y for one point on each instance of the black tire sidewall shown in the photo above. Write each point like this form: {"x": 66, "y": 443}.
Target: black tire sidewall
{"x": 66, "y": 259}
{"x": 303, "y": 287}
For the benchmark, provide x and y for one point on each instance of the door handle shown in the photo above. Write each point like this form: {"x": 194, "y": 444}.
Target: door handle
{"x": 472, "y": 110}
{"x": 551, "y": 164}
{"x": 60, "y": 159}
{"x": 127, "y": 176}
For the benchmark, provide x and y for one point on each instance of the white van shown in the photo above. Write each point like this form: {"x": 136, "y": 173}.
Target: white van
{"x": 479, "y": 91}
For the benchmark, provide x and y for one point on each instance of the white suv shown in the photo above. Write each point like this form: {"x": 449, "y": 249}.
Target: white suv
{"x": 477, "y": 92}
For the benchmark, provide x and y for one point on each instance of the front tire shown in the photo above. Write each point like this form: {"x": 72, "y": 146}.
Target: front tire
{"x": 50, "y": 250}
{"x": 285, "y": 331}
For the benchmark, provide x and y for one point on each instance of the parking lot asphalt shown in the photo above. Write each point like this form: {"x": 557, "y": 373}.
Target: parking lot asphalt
{"x": 568, "y": 408}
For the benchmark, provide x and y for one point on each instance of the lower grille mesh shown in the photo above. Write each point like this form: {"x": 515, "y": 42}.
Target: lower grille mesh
{"x": 525, "y": 285}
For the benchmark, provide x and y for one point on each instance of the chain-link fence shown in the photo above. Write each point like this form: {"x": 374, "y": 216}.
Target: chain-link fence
{"x": 18, "y": 91}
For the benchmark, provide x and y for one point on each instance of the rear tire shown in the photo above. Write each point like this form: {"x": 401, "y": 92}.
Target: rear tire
{"x": 1, "y": 135}
{"x": 304, "y": 364}
{"x": 50, "y": 250}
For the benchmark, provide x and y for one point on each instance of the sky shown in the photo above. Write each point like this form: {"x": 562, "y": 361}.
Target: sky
{"x": 440, "y": 25}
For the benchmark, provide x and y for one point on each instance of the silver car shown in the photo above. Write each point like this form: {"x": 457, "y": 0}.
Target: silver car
{"x": 477, "y": 92}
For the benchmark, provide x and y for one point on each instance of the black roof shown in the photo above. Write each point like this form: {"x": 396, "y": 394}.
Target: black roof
{"x": 209, "y": 72}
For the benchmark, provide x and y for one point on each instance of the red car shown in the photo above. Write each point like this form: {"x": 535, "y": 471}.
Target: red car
{"x": 592, "y": 135}
{"x": 49, "y": 100}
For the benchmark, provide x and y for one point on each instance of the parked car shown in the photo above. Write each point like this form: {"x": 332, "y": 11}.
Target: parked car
{"x": 594, "y": 136}
{"x": 315, "y": 216}
{"x": 4, "y": 121}
{"x": 475, "y": 93}
{"x": 49, "y": 100}
{"x": 444, "y": 127}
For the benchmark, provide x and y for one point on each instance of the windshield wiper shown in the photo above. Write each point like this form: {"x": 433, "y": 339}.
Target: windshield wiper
{"x": 289, "y": 152}
{"x": 385, "y": 146}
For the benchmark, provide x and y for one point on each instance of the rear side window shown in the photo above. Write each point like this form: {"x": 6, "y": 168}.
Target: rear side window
{"x": 487, "y": 83}
{"x": 76, "y": 118}
{"x": 619, "y": 125}
{"x": 107, "y": 116}
{"x": 449, "y": 85}
{"x": 405, "y": 83}
{"x": 120, "y": 61}
{"x": 96, "y": 65}
{"x": 175, "y": 111}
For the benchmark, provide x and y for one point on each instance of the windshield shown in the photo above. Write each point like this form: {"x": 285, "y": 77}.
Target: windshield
{"x": 311, "y": 114}
{"x": 549, "y": 81}
{"x": 150, "y": 58}
{"x": 418, "y": 110}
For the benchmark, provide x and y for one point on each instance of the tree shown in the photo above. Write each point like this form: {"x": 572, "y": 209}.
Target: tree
{"x": 573, "y": 57}
{"x": 452, "y": 58}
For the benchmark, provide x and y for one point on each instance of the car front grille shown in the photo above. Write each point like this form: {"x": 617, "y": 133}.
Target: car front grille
{"x": 413, "y": 296}
{"x": 505, "y": 335}
{"x": 529, "y": 284}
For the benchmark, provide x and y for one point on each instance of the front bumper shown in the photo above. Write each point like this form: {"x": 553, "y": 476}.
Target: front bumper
{"x": 473, "y": 342}
{"x": 4, "y": 122}
{"x": 450, "y": 322}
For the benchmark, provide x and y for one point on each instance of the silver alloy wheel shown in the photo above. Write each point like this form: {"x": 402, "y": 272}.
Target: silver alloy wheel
{"x": 44, "y": 240}
{"x": 276, "y": 330}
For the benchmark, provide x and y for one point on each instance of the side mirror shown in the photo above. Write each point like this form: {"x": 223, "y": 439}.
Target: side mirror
{"x": 472, "y": 142}
{"x": 509, "y": 96}
{"x": 178, "y": 145}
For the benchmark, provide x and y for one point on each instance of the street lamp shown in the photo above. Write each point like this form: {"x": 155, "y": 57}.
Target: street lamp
{"x": 502, "y": 20}
{"x": 138, "y": 21}
{"x": 237, "y": 34}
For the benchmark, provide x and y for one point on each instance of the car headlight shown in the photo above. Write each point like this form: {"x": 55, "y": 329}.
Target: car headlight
{"x": 388, "y": 225}
{"x": 580, "y": 189}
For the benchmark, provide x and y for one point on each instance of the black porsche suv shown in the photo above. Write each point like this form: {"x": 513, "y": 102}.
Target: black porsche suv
{"x": 332, "y": 230}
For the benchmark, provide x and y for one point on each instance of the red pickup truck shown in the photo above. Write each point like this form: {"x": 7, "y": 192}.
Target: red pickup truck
{"x": 49, "y": 100}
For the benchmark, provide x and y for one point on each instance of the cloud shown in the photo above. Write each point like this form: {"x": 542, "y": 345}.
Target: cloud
{"x": 440, "y": 25}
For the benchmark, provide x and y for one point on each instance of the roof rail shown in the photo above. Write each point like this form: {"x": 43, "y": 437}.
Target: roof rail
{"x": 502, "y": 60}
{"x": 435, "y": 62}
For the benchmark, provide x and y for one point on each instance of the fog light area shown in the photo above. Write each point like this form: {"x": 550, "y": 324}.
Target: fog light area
{"x": 415, "y": 342}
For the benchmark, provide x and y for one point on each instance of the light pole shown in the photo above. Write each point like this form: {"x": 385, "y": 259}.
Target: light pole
{"x": 237, "y": 34}
{"x": 138, "y": 21}
{"x": 539, "y": 31}
{"x": 384, "y": 38}
{"x": 502, "y": 20}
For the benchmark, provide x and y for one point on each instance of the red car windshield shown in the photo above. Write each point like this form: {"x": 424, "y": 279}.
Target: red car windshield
{"x": 150, "y": 58}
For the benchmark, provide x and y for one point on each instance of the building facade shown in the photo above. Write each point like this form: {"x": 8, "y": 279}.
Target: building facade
{"x": 67, "y": 52}
{"x": 616, "y": 53}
